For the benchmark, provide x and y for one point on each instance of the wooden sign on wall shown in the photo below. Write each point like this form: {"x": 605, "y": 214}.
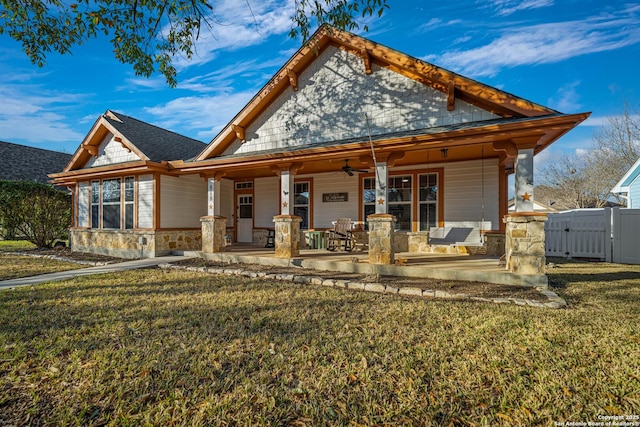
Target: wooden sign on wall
{"x": 335, "y": 197}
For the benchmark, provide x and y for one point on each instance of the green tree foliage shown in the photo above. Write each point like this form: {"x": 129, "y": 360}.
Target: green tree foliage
{"x": 148, "y": 34}
{"x": 36, "y": 211}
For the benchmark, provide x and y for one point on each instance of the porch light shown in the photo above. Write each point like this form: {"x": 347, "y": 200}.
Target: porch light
{"x": 444, "y": 152}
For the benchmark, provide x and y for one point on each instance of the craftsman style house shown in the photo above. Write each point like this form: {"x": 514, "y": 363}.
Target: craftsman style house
{"x": 347, "y": 128}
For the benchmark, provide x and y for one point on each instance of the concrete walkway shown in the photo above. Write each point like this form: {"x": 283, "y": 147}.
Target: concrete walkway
{"x": 101, "y": 269}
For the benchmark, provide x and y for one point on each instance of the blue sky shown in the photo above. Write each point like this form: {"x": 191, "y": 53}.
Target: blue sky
{"x": 570, "y": 55}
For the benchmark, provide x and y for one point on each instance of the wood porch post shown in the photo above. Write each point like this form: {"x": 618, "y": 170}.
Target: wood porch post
{"x": 382, "y": 177}
{"x": 214, "y": 226}
{"x": 524, "y": 180}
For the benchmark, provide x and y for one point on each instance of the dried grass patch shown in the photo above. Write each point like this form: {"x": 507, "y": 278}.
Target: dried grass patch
{"x": 165, "y": 347}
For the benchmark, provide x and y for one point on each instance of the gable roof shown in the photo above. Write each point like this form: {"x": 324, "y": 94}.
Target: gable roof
{"x": 623, "y": 185}
{"x": 151, "y": 143}
{"x": 24, "y": 163}
{"x": 455, "y": 86}
{"x": 156, "y": 143}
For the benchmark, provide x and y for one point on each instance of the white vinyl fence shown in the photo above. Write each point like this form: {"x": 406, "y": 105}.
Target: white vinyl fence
{"x": 604, "y": 234}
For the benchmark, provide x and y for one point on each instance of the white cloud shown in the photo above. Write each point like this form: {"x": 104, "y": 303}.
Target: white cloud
{"x": 596, "y": 121}
{"x": 546, "y": 43}
{"x": 508, "y": 7}
{"x": 205, "y": 114}
{"x": 566, "y": 99}
{"x": 34, "y": 114}
{"x": 235, "y": 24}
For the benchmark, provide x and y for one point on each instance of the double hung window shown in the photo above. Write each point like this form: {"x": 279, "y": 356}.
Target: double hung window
{"x": 301, "y": 202}
{"x": 112, "y": 204}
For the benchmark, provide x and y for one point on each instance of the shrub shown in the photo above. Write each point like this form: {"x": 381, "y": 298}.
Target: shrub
{"x": 36, "y": 212}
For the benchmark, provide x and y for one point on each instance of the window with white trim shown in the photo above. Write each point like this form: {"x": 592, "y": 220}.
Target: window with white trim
{"x": 399, "y": 197}
{"x": 301, "y": 202}
{"x": 111, "y": 197}
{"x": 95, "y": 204}
{"x": 112, "y": 203}
{"x": 129, "y": 196}
{"x": 428, "y": 199}
{"x": 368, "y": 198}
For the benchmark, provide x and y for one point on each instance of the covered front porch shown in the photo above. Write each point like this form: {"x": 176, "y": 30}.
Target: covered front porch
{"x": 442, "y": 266}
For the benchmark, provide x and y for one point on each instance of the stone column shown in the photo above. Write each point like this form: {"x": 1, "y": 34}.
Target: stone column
{"x": 381, "y": 228}
{"x": 287, "y": 235}
{"x": 524, "y": 243}
{"x": 214, "y": 230}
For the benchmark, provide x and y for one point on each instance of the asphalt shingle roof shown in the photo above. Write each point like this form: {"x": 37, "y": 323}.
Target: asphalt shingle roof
{"x": 156, "y": 143}
{"x": 23, "y": 163}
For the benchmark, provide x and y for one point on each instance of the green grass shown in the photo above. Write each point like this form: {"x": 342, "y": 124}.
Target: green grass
{"x": 15, "y": 245}
{"x": 154, "y": 347}
{"x": 17, "y": 266}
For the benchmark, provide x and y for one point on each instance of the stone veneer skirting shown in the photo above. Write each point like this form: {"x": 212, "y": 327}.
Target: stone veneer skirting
{"x": 134, "y": 244}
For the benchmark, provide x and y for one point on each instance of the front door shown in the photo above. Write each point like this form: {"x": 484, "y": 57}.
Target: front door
{"x": 245, "y": 218}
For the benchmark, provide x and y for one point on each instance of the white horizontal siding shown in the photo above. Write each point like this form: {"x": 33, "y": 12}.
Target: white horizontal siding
{"x": 145, "y": 201}
{"x": 183, "y": 201}
{"x": 336, "y": 182}
{"x": 266, "y": 201}
{"x": 463, "y": 195}
{"x": 83, "y": 204}
{"x": 634, "y": 194}
{"x": 226, "y": 200}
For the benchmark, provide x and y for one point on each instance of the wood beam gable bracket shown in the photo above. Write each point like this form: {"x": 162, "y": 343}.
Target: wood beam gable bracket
{"x": 125, "y": 146}
{"x": 91, "y": 149}
{"x": 451, "y": 96}
{"x": 240, "y": 134}
{"x": 367, "y": 61}
{"x": 293, "y": 79}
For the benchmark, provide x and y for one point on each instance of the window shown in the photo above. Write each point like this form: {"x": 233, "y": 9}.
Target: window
{"x": 301, "y": 203}
{"x": 245, "y": 185}
{"x": 369, "y": 198}
{"x": 129, "y": 195}
{"x": 111, "y": 195}
{"x": 112, "y": 205}
{"x": 416, "y": 207}
{"x": 428, "y": 188}
{"x": 399, "y": 200}
{"x": 95, "y": 204}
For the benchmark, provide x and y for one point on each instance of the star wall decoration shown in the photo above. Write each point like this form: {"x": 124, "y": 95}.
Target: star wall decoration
{"x": 285, "y": 204}
{"x": 381, "y": 201}
{"x": 526, "y": 196}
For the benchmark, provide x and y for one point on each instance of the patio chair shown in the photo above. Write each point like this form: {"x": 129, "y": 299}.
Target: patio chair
{"x": 341, "y": 237}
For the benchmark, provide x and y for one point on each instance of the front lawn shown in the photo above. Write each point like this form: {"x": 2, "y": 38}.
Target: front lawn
{"x": 17, "y": 266}
{"x": 154, "y": 347}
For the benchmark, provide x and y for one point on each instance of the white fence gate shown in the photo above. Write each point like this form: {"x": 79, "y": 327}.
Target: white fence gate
{"x": 605, "y": 234}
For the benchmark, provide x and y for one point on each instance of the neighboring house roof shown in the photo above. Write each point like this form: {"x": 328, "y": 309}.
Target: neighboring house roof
{"x": 537, "y": 206}
{"x": 149, "y": 142}
{"x": 23, "y": 163}
{"x": 623, "y": 185}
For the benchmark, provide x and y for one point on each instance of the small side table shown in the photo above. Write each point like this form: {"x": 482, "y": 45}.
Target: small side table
{"x": 316, "y": 239}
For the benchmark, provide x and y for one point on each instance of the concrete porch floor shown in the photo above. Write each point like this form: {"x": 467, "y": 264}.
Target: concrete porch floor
{"x": 474, "y": 268}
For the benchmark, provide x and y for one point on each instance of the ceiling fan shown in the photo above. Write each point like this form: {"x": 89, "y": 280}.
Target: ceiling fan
{"x": 349, "y": 170}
